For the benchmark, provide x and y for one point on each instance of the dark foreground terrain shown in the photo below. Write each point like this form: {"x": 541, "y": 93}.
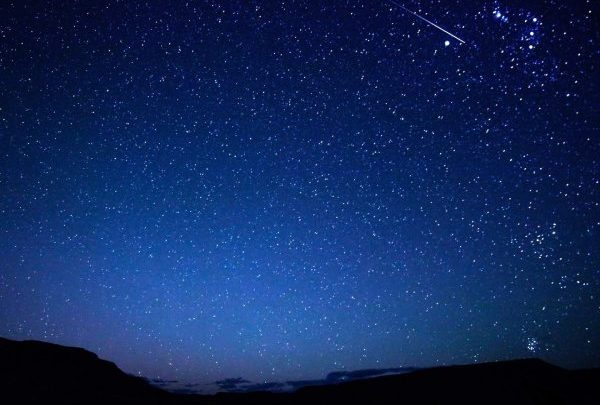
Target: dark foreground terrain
{"x": 34, "y": 372}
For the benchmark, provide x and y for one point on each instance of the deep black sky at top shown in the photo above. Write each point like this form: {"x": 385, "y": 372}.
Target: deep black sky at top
{"x": 275, "y": 190}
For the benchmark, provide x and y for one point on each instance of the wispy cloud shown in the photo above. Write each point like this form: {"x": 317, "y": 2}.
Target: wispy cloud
{"x": 231, "y": 384}
{"x": 241, "y": 385}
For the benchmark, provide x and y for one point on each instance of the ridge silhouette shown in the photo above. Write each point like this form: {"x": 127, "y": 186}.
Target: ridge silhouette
{"x": 33, "y": 372}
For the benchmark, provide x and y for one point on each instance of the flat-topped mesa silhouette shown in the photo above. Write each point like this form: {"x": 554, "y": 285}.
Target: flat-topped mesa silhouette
{"x": 33, "y": 372}
{"x": 39, "y": 372}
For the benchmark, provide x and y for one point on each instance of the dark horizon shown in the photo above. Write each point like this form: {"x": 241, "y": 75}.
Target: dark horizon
{"x": 23, "y": 362}
{"x": 35, "y": 372}
{"x": 241, "y": 385}
{"x": 274, "y": 191}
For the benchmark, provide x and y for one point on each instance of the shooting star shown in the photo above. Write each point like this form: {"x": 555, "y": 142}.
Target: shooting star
{"x": 426, "y": 20}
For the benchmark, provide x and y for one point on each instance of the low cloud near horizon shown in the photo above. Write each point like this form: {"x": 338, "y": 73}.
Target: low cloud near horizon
{"x": 239, "y": 384}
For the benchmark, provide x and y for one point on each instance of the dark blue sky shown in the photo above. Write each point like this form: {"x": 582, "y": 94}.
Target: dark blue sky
{"x": 276, "y": 190}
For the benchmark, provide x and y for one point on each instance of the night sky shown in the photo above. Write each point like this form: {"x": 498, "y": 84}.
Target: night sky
{"x": 272, "y": 190}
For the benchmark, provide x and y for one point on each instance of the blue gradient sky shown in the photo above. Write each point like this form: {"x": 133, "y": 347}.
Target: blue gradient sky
{"x": 276, "y": 190}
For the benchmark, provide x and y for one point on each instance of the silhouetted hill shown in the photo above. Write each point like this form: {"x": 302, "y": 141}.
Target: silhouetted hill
{"x": 512, "y": 382}
{"x": 41, "y": 373}
{"x": 36, "y": 372}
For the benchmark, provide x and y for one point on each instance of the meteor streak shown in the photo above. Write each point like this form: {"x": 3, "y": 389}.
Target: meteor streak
{"x": 426, "y": 20}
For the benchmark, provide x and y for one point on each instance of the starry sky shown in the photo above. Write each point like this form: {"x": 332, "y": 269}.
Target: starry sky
{"x": 274, "y": 190}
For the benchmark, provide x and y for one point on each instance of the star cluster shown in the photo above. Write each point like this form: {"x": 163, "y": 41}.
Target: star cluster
{"x": 204, "y": 190}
